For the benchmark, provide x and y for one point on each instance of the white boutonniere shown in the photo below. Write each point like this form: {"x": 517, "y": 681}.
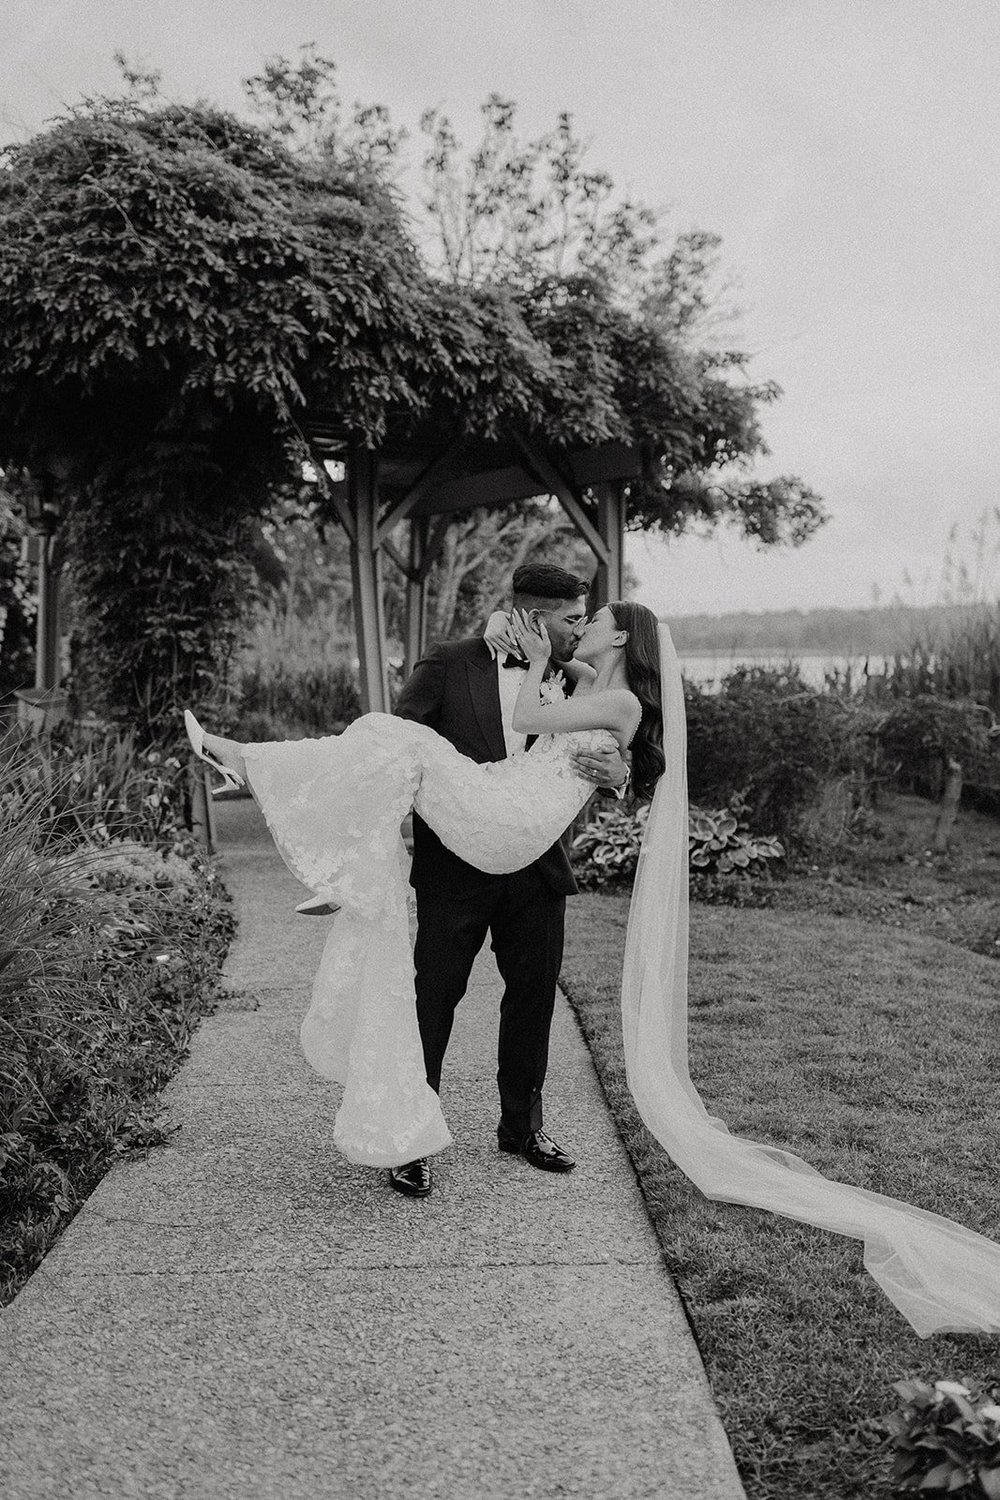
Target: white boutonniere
{"x": 553, "y": 689}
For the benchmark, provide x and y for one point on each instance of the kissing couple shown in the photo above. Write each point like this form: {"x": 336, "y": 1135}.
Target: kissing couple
{"x": 495, "y": 762}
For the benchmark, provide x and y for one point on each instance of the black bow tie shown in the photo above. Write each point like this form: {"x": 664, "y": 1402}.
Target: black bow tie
{"x": 516, "y": 661}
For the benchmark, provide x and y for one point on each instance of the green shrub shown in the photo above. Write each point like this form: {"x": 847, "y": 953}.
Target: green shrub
{"x": 946, "y": 1439}
{"x": 720, "y": 845}
{"x": 919, "y": 735}
{"x": 18, "y": 602}
{"x": 109, "y": 952}
{"x": 769, "y": 739}
{"x": 288, "y": 702}
{"x": 94, "y": 783}
{"x": 607, "y": 849}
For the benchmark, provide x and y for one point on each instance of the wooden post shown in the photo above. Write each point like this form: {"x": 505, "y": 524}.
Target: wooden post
{"x": 416, "y": 594}
{"x": 366, "y": 578}
{"x": 948, "y": 810}
{"x": 609, "y": 582}
{"x": 47, "y": 663}
{"x": 202, "y": 807}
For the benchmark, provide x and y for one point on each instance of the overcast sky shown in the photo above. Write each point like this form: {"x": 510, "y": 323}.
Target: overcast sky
{"x": 847, "y": 151}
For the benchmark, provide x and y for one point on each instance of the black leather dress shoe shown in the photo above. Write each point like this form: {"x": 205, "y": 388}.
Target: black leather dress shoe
{"x": 542, "y": 1152}
{"x": 413, "y": 1178}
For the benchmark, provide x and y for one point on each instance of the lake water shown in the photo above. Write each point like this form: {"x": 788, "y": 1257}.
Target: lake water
{"x": 708, "y": 669}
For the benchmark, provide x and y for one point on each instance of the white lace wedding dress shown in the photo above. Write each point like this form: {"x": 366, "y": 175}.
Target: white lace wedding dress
{"x": 334, "y": 808}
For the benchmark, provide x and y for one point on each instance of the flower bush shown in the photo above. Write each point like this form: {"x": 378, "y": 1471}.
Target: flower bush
{"x": 946, "y": 1440}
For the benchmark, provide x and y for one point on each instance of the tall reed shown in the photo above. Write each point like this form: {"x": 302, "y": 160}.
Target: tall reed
{"x": 50, "y": 938}
{"x": 960, "y": 661}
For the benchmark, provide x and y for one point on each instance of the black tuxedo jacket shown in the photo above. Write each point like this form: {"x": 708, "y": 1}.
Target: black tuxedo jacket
{"x": 454, "y": 690}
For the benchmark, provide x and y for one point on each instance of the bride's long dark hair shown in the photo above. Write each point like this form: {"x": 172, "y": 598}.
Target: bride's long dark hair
{"x": 642, "y": 667}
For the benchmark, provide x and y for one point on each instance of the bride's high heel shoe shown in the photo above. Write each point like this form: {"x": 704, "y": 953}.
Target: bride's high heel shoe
{"x": 195, "y": 733}
{"x": 318, "y": 906}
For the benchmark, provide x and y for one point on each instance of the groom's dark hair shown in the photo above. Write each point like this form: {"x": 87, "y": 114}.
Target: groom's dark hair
{"x": 541, "y": 585}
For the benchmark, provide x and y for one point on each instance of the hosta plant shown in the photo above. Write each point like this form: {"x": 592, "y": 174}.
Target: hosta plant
{"x": 719, "y": 844}
{"x": 946, "y": 1439}
{"x": 608, "y": 848}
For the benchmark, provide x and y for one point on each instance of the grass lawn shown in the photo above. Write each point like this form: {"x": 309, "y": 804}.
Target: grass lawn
{"x": 871, "y": 1048}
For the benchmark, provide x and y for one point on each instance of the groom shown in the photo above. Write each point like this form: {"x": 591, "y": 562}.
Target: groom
{"x": 466, "y": 691}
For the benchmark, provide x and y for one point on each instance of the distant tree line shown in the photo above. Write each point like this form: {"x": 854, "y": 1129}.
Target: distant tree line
{"x": 840, "y": 632}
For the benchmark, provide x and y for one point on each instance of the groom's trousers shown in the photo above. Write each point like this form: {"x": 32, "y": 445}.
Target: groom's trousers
{"x": 525, "y": 920}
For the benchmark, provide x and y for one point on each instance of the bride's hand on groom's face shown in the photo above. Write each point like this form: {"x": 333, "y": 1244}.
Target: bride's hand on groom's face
{"x": 532, "y": 637}
{"x": 499, "y": 634}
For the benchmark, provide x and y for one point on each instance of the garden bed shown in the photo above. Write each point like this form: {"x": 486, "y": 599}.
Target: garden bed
{"x": 97, "y": 1079}
{"x": 113, "y": 930}
{"x": 838, "y": 1024}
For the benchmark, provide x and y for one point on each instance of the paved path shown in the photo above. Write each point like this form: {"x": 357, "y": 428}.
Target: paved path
{"x": 244, "y": 1315}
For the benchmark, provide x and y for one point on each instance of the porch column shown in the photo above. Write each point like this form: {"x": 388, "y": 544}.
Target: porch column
{"x": 416, "y": 594}
{"x": 366, "y": 579}
{"x": 609, "y": 582}
{"x": 47, "y": 663}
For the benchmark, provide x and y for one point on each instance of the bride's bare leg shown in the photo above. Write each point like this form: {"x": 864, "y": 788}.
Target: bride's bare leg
{"x": 229, "y": 752}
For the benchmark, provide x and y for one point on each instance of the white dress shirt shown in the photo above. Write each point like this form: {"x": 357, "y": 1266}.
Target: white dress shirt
{"x": 509, "y": 680}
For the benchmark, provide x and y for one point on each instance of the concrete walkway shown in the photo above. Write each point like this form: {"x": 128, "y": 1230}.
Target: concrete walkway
{"x": 244, "y": 1315}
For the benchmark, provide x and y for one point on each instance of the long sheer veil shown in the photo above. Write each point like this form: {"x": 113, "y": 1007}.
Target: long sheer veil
{"x": 941, "y": 1276}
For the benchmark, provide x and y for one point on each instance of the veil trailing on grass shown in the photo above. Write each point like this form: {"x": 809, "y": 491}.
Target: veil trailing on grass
{"x": 941, "y": 1276}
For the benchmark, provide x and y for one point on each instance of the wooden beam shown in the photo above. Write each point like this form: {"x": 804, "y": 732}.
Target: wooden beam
{"x": 591, "y": 466}
{"x": 337, "y": 492}
{"x": 341, "y": 505}
{"x": 489, "y": 487}
{"x": 433, "y": 549}
{"x": 610, "y": 580}
{"x": 366, "y": 577}
{"x": 416, "y": 595}
{"x": 47, "y": 639}
{"x": 391, "y": 550}
{"x": 556, "y": 485}
{"x": 406, "y": 503}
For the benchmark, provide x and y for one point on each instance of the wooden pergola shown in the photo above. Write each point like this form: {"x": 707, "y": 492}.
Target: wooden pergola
{"x": 427, "y": 487}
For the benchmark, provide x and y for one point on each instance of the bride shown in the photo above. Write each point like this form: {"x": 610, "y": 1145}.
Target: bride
{"x": 334, "y": 807}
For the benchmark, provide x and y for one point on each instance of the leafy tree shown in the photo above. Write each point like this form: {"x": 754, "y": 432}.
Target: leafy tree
{"x": 299, "y": 101}
{"x": 179, "y": 288}
{"x": 313, "y": 555}
{"x": 583, "y": 267}
{"x": 583, "y": 263}
{"x": 171, "y": 284}
{"x": 516, "y": 212}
